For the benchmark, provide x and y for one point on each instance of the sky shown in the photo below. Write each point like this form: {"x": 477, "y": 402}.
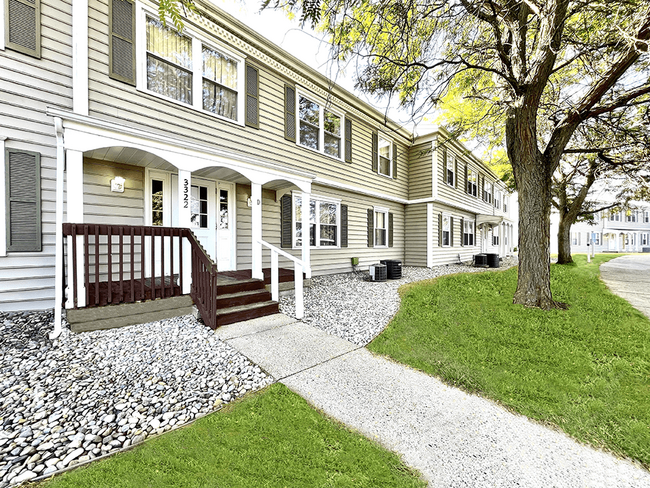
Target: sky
{"x": 303, "y": 43}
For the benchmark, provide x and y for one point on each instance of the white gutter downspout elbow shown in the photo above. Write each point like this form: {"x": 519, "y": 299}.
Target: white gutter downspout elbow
{"x": 58, "y": 265}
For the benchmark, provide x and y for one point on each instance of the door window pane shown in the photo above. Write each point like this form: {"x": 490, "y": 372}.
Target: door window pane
{"x": 223, "y": 209}
{"x": 156, "y": 202}
{"x": 199, "y": 207}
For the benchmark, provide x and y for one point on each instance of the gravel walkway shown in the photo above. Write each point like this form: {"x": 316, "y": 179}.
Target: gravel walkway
{"x": 348, "y": 306}
{"x": 81, "y": 396}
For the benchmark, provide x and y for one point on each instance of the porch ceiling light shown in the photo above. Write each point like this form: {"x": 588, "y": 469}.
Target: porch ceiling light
{"x": 117, "y": 184}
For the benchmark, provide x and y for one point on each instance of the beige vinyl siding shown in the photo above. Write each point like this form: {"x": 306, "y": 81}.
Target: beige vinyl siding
{"x": 118, "y": 102}
{"x": 29, "y": 86}
{"x": 458, "y": 195}
{"x": 420, "y": 171}
{"x": 448, "y": 255}
{"x": 323, "y": 261}
{"x": 415, "y": 253}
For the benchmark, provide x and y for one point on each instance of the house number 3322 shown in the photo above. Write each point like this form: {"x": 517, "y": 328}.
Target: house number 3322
{"x": 186, "y": 193}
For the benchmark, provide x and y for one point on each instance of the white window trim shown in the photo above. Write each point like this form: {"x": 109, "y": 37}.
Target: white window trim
{"x": 385, "y": 211}
{"x": 451, "y": 159}
{"x": 2, "y": 42}
{"x": 197, "y": 70}
{"x": 3, "y": 196}
{"x": 472, "y": 228}
{"x": 442, "y": 229}
{"x": 390, "y": 141}
{"x": 316, "y": 198}
{"x": 322, "y": 106}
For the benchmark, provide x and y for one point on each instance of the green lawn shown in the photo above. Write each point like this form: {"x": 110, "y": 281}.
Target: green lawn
{"x": 585, "y": 369}
{"x": 270, "y": 438}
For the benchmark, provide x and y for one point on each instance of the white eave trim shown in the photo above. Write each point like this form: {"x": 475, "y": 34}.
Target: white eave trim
{"x": 159, "y": 143}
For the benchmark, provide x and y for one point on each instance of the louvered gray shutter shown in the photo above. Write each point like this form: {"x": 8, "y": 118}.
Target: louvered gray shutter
{"x": 467, "y": 184}
{"x": 439, "y": 230}
{"x": 451, "y": 231}
{"x": 394, "y": 160}
{"x": 121, "y": 48}
{"x": 456, "y": 173}
{"x": 344, "y": 226}
{"x": 348, "y": 140}
{"x": 390, "y": 229}
{"x": 289, "y": 113}
{"x": 462, "y": 232}
{"x": 23, "y": 26}
{"x": 286, "y": 221}
{"x": 371, "y": 228}
{"x": 444, "y": 164}
{"x": 23, "y": 200}
{"x": 375, "y": 152}
{"x": 252, "y": 97}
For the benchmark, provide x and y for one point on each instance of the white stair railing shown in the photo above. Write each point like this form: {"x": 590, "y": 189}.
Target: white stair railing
{"x": 298, "y": 267}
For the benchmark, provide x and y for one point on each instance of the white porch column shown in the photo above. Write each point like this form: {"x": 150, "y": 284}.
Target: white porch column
{"x": 58, "y": 231}
{"x": 305, "y": 234}
{"x": 256, "y": 230}
{"x": 80, "y": 56}
{"x": 184, "y": 220}
{"x": 75, "y": 214}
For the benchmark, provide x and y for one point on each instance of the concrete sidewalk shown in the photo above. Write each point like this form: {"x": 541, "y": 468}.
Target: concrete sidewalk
{"x": 629, "y": 278}
{"x": 452, "y": 438}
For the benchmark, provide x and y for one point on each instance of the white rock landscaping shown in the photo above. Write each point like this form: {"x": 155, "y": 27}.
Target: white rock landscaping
{"x": 84, "y": 395}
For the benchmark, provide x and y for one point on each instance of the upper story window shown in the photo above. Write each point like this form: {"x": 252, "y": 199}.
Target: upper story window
{"x": 630, "y": 216}
{"x": 487, "y": 191}
{"x": 451, "y": 169}
{"x": 506, "y": 201}
{"x": 184, "y": 68}
{"x": 646, "y": 217}
{"x": 320, "y": 128}
{"x": 471, "y": 182}
{"x": 169, "y": 62}
{"x": 615, "y": 217}
{"x": 385, "y": 157}
{"x": 324, "y": 222}
{"x": 497, "y": 198}
{"x": 219, "y": 83}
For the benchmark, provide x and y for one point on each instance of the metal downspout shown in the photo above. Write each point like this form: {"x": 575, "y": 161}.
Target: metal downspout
{"x": 58, "y": 265}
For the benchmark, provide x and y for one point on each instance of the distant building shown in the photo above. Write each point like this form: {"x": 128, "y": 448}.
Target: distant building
{"x": 620, "y": 231}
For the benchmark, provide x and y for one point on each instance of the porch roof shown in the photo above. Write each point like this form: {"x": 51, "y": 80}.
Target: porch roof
{"x": 488, "y": 219}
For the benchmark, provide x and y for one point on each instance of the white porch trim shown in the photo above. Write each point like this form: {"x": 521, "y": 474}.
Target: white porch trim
{"x": 3, "y": 210}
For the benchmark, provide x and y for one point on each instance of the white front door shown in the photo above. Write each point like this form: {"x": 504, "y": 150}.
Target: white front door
{"x": 225, "y": 221}
{"x": 158, "y": 208}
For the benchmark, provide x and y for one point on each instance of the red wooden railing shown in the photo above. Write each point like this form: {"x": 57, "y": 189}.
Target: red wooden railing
{"x": 127, "y": 248}
{"x": 204, "y": 282}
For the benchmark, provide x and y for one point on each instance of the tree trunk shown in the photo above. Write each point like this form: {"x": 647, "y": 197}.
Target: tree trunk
{"x": 564, "y": 242}
{"x": 533, "y": 181}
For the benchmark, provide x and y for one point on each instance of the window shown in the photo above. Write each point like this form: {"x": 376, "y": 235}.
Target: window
{"x": 451, "y": 169}
{"x": 487, "y": 191}
{"x": 646, "y": 217}
{"x": 156, "y": 202}
{"x": 497, "y": 198}
{"x": 471, "y": 182}
{"x": 169, "y": 62}
{"x": 219, "y": 83}
{"x": 320, "y": 129}
{"x": 182, "y": 68}
{"x": 468, "y": 232}
{"x": 506, "y": 201}
{"x": 199, "y": 207}
{"x": 323, "y": 222}
{"x": 495, "y": 236}
{"x": 644, "y": 239}
{"x": 381, "y": 227}
{"x": 385, "y": 156}
{"x": 596, "y": 236}
{"x": 446, "y": 230}
{"x": 630, "y": 216}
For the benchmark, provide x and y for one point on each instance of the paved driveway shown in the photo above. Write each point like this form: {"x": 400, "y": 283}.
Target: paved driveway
{"x": 629, "y": 278}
